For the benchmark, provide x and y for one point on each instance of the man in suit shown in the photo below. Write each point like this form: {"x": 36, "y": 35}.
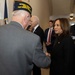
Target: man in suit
{"x": 17, "y": 50}
{"x": 49, "y": 37}
{"x": 38, "y": 31}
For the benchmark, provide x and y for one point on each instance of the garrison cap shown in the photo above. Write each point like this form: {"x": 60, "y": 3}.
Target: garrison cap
{"x": 20, "y": 5}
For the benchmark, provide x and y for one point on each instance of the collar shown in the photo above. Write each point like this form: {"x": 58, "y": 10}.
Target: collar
{"x": 36, "y": 26}
{"x": 17, "y": 23}
{"x": 51, "y": 28}
{"x": 21, "y": 25}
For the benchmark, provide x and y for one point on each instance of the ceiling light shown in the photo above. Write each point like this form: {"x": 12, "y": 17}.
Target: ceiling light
{"x": 71, "y": 16}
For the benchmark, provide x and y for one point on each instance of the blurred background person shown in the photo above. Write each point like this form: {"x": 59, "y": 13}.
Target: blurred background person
{"x": 35, "y": 24}
{"x": 49, "y": 37}
{"x": 62, "y": 57}
{"x": 38, "y": 31}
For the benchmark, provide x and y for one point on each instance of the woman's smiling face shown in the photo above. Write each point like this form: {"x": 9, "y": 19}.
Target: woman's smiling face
{"x": 57, "y": 27}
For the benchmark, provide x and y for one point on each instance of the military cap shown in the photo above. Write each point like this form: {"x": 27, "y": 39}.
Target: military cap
{"x": 20, "y": 5}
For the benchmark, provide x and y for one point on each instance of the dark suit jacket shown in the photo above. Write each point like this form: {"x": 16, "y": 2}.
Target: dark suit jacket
{"x": 72, "y": 30}
{"x": 39, "y": 31}
{"x": 18, "y": 52}
{"x": 63, "y": 56}
{"x": 49, "y": 48}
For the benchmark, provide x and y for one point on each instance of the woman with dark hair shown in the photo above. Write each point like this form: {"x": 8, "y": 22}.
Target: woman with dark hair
{"x": 63, "y": 51}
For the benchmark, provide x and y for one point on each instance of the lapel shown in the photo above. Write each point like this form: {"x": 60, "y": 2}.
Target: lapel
{"x": 36, "y": 29}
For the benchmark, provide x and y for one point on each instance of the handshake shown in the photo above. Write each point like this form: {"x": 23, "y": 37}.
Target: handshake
{"x": 47, "y": 54}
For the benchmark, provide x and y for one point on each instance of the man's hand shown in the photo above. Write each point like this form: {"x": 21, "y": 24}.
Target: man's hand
{"x": 48, "y": 43}
{"x": 48, "y": 54}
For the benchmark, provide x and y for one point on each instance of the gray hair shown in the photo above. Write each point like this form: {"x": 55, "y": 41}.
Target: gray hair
{"x": 18, "y": 12}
